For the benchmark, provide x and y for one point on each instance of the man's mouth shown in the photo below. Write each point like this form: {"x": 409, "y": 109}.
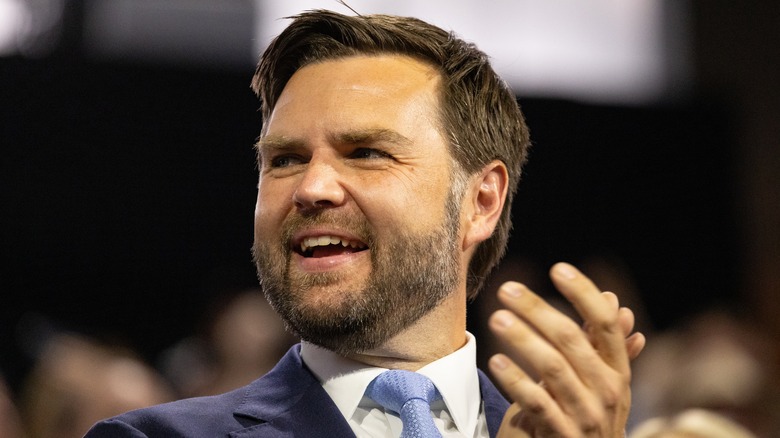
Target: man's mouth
{"x": 326, "y": 246}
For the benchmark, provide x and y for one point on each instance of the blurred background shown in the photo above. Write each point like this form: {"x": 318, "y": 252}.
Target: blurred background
{"x": 127, "y": 187}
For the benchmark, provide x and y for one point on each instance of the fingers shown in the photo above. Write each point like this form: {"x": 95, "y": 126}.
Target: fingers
{"x": 550, "y": 345}
{"x": 585, "y": 372}
{"x": 635, "y": 344}
{"x": 625, "y": 319}
{"x": 533, "y": 406}
{"x": 599, "y": 311}
{"x": 540, "y": 356}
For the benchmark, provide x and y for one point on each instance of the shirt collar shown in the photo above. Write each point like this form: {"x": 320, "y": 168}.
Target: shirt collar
{"x": 454, "y": 375}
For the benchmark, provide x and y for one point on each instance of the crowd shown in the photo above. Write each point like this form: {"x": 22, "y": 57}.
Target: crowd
{"x": 77, "y": 380}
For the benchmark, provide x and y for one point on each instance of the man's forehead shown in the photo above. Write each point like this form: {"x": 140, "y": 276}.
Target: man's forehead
{"x": 367, "y": 70}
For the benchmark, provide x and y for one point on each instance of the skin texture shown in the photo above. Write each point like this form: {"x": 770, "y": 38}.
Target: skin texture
{"x": 357, "y": 141}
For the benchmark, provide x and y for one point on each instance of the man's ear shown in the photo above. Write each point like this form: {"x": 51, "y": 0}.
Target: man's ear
{"x": 484, "y": 202}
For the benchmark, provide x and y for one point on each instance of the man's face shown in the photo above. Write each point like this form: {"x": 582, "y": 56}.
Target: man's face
{"x": 356, "y": 225}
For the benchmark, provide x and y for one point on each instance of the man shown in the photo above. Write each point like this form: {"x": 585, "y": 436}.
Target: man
{"x": 388, "y": 160}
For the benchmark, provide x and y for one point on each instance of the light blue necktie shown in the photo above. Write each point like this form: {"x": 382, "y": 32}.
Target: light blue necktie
{"x": 410, "y": 395}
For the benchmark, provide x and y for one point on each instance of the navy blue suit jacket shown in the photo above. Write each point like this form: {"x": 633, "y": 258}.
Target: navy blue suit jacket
{"x": 286, "y": 402}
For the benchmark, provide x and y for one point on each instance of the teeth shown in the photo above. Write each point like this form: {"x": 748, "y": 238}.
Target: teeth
{"x": 311, "y": 242}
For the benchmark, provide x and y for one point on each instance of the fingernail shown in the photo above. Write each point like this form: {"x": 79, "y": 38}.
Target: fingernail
{"x": 512, "y": 290}
{"x": 499, "y": 362}
{"x": 566, "y": 271}
{"x": 502, "y": 319}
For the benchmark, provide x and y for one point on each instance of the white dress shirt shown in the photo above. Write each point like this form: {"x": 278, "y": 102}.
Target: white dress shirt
{"x": 459, "y": 414}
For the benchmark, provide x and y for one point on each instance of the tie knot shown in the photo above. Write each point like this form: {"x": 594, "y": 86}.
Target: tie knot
{"x": 394, "y": 388}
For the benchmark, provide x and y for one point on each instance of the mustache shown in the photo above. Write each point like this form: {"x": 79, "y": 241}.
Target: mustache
{"x": 354, "y": 224}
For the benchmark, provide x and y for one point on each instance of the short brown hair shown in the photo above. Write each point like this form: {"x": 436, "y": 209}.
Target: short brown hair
{"x": 479, "y": 113}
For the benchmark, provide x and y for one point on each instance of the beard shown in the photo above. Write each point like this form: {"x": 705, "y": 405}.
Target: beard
{"x": 410, "y": 275}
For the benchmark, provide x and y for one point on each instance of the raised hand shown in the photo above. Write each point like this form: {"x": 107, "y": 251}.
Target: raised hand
{"x": 583, "y": 387}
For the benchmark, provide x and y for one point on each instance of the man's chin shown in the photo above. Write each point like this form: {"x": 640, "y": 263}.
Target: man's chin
{"x": 346, "y": 343}
{"x": 344, "y": 326}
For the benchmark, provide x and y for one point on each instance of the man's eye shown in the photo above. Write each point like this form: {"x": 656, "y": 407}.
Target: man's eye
{"x": 285, "y": 161}
{"x": 368, "y": 153}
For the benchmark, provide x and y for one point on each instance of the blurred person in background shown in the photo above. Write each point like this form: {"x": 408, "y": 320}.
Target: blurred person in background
{"x": 242, "y": 339}
{"x": 691, "y": 423}
{"x": 715, "y": 362}
{"x": 76, "y": 381}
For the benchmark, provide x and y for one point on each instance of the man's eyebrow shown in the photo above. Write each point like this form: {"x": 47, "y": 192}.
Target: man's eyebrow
{"x": 277, "y": 142}
{"x": 353, "y": 137}
{"x": 367, "y": 136}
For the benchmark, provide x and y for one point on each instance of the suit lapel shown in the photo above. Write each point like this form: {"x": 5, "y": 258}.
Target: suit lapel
{"x": 287, "y": 402}
{"x": 495, "y": 403}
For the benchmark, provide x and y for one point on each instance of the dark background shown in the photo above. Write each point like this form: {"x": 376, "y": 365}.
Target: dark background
{"x": 127, "y": 189}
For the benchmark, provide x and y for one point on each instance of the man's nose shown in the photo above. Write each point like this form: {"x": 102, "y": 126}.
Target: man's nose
{"x": 320, "y": 187}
